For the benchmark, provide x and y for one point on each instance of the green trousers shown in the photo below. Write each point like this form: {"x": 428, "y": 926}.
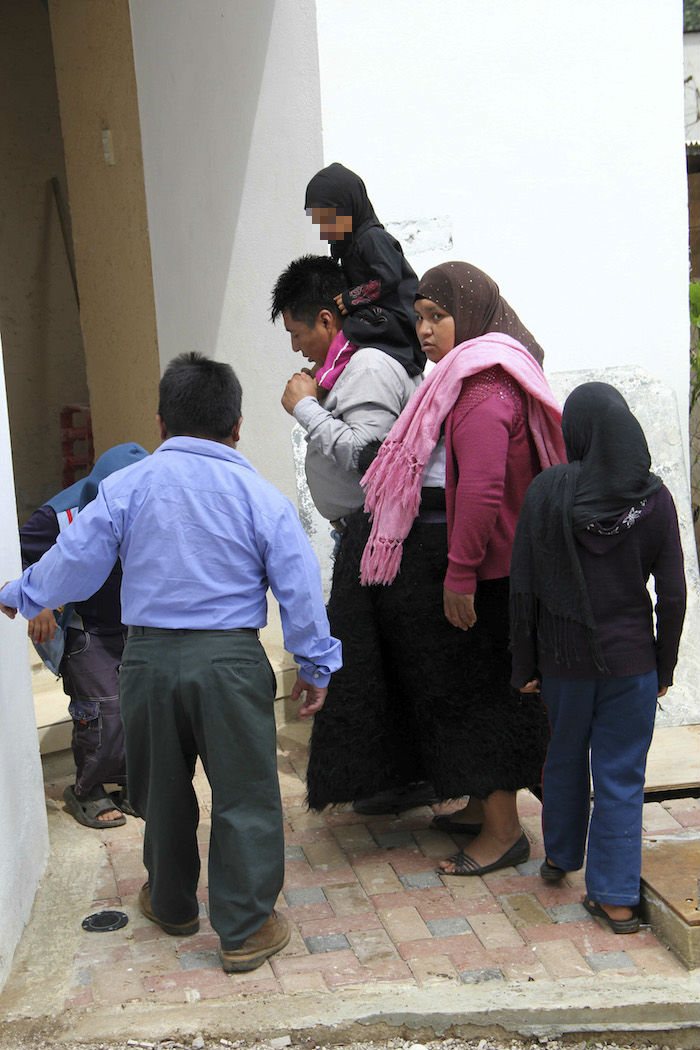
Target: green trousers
{"x": 207, "y": 693}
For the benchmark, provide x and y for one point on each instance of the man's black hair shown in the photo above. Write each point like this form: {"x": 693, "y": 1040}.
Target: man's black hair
{"x": 200, "y": 397}
{"x": 308, "y": 285}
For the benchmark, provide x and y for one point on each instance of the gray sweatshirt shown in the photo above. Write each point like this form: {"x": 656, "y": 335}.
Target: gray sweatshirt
{"x": 363, "y": 405}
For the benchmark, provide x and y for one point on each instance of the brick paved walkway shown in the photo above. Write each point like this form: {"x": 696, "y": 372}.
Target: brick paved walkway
{"x": 366, "y": 906}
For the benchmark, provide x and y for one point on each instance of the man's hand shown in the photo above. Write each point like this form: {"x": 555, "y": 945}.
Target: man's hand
{"x": 7, "y": 609}
{"x": 43, "y": 627}
{"x": 300, "y": 385}
{"x": 531, "y": 687}
{"x": 459, "y": 608}
{"x": 315, "y": 697}
{"x": 662, "y": 692}
{"x": 340, "y": 304}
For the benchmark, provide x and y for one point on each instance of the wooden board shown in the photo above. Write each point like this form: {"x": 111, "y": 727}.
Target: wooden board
{"x": 670, "y": 868}
{"x": 674, "y": 759}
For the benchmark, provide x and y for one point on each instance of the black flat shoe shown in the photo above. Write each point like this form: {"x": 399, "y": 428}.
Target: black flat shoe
{"x": 397, "y": 800}
{"x": 616, "y": 925}
{"x": 444, "y": 822}
{"x": 550, "y": 872}
{"x": 466, "y": 865}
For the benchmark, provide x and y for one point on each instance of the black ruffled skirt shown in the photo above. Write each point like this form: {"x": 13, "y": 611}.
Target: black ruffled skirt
{"x": 416, "y": 698}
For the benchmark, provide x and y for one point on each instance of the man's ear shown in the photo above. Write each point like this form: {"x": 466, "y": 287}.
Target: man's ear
{"x": 328, "y": 319}
{"x": 162, "y": 427}
{"x": 236, "y": 432}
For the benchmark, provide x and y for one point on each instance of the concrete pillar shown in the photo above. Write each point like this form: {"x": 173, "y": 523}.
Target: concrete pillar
{"x": 102, "y": 143}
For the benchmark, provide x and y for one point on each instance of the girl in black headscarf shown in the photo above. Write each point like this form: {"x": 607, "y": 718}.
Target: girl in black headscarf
{"x": 378, "y": 305}
{"x": 590, "y": 534}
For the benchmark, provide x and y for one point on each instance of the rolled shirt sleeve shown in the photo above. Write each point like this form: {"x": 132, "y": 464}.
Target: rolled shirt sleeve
{"x": 295, "y": 580}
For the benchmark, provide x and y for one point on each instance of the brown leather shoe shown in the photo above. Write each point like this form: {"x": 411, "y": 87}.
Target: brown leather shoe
{"x": 183, "y": 929}
{"x": 272, "y": 936}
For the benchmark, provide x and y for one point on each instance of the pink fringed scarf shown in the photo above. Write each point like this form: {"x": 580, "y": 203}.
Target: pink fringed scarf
{"x": 393, "y": 482}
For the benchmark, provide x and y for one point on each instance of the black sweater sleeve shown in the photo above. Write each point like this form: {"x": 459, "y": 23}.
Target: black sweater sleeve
{"x": 670, "y": 586}
{"x": 38, "y": 534}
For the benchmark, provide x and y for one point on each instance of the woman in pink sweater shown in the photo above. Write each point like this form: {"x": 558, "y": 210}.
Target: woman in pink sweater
{"x": 488, "y": 397}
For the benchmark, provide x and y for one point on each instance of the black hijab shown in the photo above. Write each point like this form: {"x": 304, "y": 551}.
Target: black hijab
{"x": 476, "y": 304}
{"x": 607, "y": 474}
{"x": 338, "y": 187}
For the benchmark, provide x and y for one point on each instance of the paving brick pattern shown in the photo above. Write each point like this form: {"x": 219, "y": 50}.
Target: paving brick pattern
{"x": 366, "y": 905}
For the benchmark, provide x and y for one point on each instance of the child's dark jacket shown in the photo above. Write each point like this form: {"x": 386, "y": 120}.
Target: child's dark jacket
{"x": 616, "y": 568}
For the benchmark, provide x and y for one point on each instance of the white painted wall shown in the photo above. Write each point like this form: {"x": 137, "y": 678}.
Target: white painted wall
{"x": 552, "y": 135}
{"x": 24, "y": 846}
{"x": 230, "y": 123}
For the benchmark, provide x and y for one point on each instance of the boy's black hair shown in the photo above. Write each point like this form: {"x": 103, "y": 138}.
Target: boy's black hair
{"x": 308, "y": 285}
{"x": 200, "y": 397}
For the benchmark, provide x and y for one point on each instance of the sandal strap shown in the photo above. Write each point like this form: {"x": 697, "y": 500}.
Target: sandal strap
{"x": 462, "y": 862}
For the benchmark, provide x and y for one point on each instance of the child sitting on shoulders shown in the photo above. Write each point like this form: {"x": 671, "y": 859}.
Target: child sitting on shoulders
{"x": 378, "y": 304}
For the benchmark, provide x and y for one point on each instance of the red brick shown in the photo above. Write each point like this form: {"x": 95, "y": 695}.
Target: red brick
{"x": 130, "y": 885}
{"x": 414, "y": 898}
{"x": 387, "y": 856}
{"x": 343, "y": 924}
{"x": 588, "y": 937}
{"x": 517, "y": 964}
{"x": 500, "y": 884}
{"x": 325, "y": 962}
{"x": 303, "y": 982}
{"x": 300, "y": 879}
{"x": 460, "y": 943}
{"x": 301, "y": 913}
{"x": 298, "y": 838}
{"x": 551, "y": 896}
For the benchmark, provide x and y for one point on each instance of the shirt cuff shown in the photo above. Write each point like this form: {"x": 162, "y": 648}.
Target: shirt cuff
{"x": 314, "y": 675}
{"x": 12, "y": 596}
{"x": 306, "y": 410}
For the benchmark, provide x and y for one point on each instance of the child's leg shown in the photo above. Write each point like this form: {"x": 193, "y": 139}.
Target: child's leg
{"x": 90, "y": 678}
{"x": 621, "y": 733}
{"x": 566, "y": 785}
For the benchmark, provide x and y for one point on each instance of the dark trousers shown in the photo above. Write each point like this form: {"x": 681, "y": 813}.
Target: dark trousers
{"x": 614, "y": 719}
{"x": 206, "y": 693}
{"x": 90, "y": 675}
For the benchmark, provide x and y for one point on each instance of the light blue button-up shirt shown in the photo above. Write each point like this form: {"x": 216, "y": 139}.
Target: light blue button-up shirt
{"x": 201, "y": 535}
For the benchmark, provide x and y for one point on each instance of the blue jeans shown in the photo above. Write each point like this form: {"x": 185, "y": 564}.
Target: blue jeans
{"x": 614, "y": 719}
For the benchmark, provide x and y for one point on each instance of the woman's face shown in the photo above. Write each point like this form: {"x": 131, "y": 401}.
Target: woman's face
{"x": 435, "y": 329}
{"x": 333, "y": 225}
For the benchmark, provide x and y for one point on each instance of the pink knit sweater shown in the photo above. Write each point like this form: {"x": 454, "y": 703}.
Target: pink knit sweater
{"x": 491, "y": 460}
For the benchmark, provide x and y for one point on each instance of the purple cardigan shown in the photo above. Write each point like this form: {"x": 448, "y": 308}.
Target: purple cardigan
{"x": 616, "y": 568}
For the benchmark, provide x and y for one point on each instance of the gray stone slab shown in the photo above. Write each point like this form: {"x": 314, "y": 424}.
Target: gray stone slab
{"x": 569, "y": 913}
{"x": 305, "y": 895}
{"x": 530, "y": 867}
{"x": 609, "y": 961}
{"x": 200, "y": 961}
{"x": 450, "y": 927}
{"x": 655, "y": 406}
{"x": 329, "y": 942}
{"x": 421, "y": 880}
{"x": 479, "y": 976}
{"x": 394, "y": 839}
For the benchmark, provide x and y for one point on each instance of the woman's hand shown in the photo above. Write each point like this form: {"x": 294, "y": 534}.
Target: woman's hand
{"x": 459, "y": 608}
{"x": 42, "y": 627}
{"x": 531, "y": 687}
{"x": 340, "y": 304}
